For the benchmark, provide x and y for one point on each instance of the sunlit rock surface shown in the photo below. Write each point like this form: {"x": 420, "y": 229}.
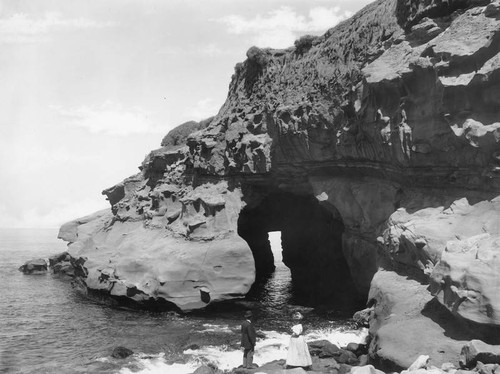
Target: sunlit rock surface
{"x": 183, "y": 266}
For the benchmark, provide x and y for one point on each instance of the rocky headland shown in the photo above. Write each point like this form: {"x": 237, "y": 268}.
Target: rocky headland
{"x": 374, "y": 149}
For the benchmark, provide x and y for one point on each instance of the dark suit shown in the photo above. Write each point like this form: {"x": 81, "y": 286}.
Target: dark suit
{"x": 248, "y": 338}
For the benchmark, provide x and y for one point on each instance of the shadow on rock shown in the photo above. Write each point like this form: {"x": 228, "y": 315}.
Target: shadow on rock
{"x": 458, "y": 328}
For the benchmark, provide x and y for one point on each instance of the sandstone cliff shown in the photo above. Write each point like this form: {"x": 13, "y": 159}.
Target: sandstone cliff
{"x": 374, "y": 149}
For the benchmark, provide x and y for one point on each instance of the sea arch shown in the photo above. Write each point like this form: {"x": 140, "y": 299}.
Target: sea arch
{"x": 312, "y": 243}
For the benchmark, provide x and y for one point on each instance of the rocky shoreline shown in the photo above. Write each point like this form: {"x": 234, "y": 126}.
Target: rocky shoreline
{"x": 475, "y": 357}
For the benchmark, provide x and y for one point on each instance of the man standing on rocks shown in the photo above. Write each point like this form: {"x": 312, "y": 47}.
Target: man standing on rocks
{"x": 248, "y": 338}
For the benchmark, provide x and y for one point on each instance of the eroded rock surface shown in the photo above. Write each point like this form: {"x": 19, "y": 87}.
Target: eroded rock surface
{"x": 374, "y": 149}
{"x": 147, "y": 263}
{"x": 466, "y": 278}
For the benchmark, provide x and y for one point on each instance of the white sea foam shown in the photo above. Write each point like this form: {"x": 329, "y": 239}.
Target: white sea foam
{"x": 273, "y": 347}
{"x": 207, "y": 327}
{"x": 156, "y": 364}
{"x": 340, "y": 338}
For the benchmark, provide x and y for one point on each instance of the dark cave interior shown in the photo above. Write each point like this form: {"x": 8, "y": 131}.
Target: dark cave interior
{"x": 311, "y": 239}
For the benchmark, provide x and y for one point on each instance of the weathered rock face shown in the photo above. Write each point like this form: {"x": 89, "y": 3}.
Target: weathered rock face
{"x": 64, "y": 264}
{"x": 196, "y": 260}
{"x": 121, "y": 352}
{"x": 424, "y": 238}
{"x": 374, "y": 146}
{"x": 466, "y": 278}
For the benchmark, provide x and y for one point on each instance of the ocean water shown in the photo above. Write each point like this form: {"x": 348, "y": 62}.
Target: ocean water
{"x": 46, "y": 326}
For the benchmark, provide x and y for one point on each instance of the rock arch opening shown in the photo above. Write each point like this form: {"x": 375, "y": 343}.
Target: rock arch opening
{"x": 311, "y": 239}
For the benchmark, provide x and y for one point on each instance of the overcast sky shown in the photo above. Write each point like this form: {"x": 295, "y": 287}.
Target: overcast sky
{"x": 89, "y": 87}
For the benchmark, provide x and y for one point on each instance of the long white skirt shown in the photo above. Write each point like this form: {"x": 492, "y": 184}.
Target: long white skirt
{"x": 298, "y": 352}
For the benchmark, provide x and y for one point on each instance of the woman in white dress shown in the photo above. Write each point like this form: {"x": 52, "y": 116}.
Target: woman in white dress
{"x": 298, "y": 352}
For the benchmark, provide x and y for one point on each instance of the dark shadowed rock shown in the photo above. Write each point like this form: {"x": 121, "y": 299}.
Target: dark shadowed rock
{"x": 191, "y": 346}
{"x": 242, "y": 370}
{"x": 64, "y": 264}
{"x": 344, "y": 356}
{"x": 493, "y": 9}
{"x": 121, "y": 352}
{"x": 322, "y": 348}
{"x": 64, "y": 267}
{"x": 362, "y": 317}
{"x": 63, "y": 256}
{"x": 476, "y": 350}
{"x": 35, "y": 266}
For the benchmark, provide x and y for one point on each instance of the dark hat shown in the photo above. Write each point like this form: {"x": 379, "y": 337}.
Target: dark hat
{"x": 248, "y": 314}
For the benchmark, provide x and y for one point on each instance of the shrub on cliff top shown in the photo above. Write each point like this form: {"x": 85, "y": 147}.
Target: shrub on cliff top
{"x": 304, "y": 43}
{"x": 179, "y": 135}
{"x": 257, "y": 56}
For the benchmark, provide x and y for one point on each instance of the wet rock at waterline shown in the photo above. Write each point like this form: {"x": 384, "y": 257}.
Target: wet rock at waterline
{"x": 64, "y": 264}
{"x": 35, "y": 266}
{"x": 362, "y": 317}
{"x": 154, "y": 265}
{"x": 323, "y": 348}
{"x": 65, "y": 268}
{"x": 60, "y": 257}
{"x": 121, "y": 352}
{"x": 373, "y": 148}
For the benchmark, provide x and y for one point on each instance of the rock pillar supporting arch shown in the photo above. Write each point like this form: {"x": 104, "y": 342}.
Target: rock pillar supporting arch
{"x": 312, "y": 248}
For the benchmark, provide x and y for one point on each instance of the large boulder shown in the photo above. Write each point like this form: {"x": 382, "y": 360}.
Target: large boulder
{"x": 121, "y": 352}
{"x": 465, "y": 280}
{"x": 35, "y": 266}
{"x": 323, "y": 348}
{"x": 452, "y": 245}
{"x": 60, "y": 257}
{"x": 149, "y": 265}
{"x": 405, "y": 324}
{"x": 64, "y": 264}
{"x": 362, "y": 317}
